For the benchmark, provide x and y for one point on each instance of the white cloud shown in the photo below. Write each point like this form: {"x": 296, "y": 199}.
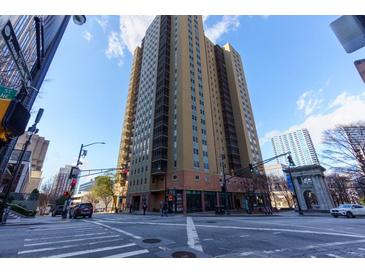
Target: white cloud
{"x": 344, "y": 109}
{"x": 115, "y": 46}
{"x": 133, "y": 29}
{"x": 87, "y": 35}
{"x": 227, "y": 24}
{"x": 102, "y": 21}
{"x": 131, "y": 32}
{"x": 309, "y": 101}
{"x": 205, "y": 17}
{"x": 268, "y": 136}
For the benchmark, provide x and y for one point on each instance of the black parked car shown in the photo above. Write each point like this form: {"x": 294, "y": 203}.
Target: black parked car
{"x": 84, "y": 209}
{"x": 57, "y": 210}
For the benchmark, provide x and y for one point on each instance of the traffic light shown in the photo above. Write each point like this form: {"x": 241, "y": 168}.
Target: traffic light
{"x": 74, "y": 172}
{"x": 16, "y": 118}
{"x": 66, "y": 194}
{"x": 290, "y": 160}
{"x": 73, "y": 183}
{"x": 250, "y": 166}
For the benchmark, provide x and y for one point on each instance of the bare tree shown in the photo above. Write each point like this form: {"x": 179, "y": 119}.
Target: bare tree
{"x": 345, "y": 148}
{"x": 345, "y": 151}
{"x": 339, "y": 187}
{"x": 91, "y": 197}
{"x": 45, "y": 196}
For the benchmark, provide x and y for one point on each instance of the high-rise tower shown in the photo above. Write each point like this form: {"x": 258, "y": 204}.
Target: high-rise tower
{"x": 191, "y": 117}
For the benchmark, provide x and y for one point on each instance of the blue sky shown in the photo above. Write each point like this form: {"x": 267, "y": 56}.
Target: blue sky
{"x": 298, "y": 75}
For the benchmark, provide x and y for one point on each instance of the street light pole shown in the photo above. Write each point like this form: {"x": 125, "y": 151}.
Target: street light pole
{"x": 295, "y": 192}
{"x": 68, "y": 201}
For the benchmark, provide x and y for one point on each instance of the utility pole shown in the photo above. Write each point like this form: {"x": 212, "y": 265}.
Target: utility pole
{"x": 291, "y": 163}
{"x": 74, "y": 177}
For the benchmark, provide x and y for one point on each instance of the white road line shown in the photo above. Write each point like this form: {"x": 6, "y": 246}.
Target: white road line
{"x": 244, "y": 228}
{"x": 128, "y": 254}
{"x": 246, "y": 253}
{"x": 360, "y": 248}
{"x": 62, "y": 247}
{"x": 72, "y": 240}
{"x": 193, "y": 238}
{"x": 83, "y": 252}
{"x": 283, "y": 230}
{"x": 62, "y": 228}
{"x": 116, "y": 229}
{"x": 66, "y": 236}
{"x": 333, "y": 255}
{"x": 246, "y": 235}
{"x": 312, "y": 256}
{"x": 332, "y": 244}
{"x": 141, "y": 223}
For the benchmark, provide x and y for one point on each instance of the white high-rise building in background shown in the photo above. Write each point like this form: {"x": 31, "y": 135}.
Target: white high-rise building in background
{"x": 300, "y": 144}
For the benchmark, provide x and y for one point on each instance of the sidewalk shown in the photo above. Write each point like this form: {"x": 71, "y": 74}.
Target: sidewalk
{"x": 201, "y": 214}
{"x": 284, "y": 214}
{"x": 37, "y": 220}
{"x": 305, "y": 214}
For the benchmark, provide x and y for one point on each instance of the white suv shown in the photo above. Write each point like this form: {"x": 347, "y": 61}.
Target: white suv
{"x": 348, "y": 210}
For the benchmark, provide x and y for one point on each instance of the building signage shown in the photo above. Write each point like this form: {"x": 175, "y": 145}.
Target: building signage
{"x": 7, "y": 93}
{"x": 15, "y": 51}
{"x": 290, "y": 183}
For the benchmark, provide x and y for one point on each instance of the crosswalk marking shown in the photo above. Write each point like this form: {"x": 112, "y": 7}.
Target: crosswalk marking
{"x": 360, "y": 248}
{"x": 72, "y": 240}
{"x": 63, "y": 228}
{"x": 82, "y": 252}
{"x": 66, "y": 236}
{"x": 60, "y": 247}
{"x": 128, "y": 254}
{"x": 116, "y": 229}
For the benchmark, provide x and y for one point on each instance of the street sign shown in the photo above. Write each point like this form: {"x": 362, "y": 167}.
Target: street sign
{"x": 7, "y": 93}
{"x": 16, "y": 52}
{"x": 360, "y": 66}
{"x": 350, "y": 31}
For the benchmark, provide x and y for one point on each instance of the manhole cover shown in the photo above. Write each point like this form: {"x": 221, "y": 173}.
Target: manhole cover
{"x": 151, "y": 241}
{"x": 183, "y": 254}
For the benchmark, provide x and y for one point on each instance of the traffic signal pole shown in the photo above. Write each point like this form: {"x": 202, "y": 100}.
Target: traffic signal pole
{"x": 33, "y": 130}
{"x": 251, "y": 168}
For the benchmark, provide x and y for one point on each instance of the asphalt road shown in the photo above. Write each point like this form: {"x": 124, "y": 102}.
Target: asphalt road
{"x": 110, "y": 235}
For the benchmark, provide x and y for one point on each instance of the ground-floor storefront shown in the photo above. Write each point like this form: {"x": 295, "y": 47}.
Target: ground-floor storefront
{"x": 188, "y": 201}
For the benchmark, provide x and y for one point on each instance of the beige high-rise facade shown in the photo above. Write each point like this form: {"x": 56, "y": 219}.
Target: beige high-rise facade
{"x": 38, "y": 149}
{"x": 188, "y": 116}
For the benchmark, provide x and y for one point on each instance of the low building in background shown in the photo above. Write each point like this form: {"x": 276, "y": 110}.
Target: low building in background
{"x": 281, "y": 196}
